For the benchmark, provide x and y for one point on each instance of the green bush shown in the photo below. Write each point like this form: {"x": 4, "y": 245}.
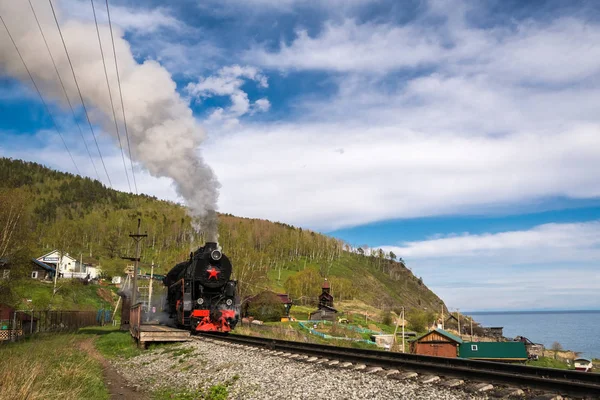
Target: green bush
{"x": 386, "y": 317}
{"x": 419, "y": 320}
{"x": 266, "y": 307}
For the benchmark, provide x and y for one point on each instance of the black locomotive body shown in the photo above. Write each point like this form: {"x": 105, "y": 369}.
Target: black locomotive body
{"x": 201, "y": 296}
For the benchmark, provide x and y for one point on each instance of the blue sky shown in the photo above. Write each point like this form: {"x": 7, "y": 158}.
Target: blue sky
{"x": 462, "y": 135}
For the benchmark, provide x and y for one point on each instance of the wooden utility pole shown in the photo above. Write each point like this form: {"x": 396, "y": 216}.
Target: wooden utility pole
{"x": 442, "y": 316}
{"x": 138, "y": 238}
{"x": 458, "y": 321}
{"x": 471, "y": 329}
{"x": 150, "y": 293}
{"x": 403, "y": 329}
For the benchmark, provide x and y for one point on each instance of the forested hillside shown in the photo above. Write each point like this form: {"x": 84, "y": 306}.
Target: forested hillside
{"x": 42, "y": 209}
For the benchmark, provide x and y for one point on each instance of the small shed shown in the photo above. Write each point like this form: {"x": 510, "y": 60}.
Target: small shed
{"x": 495, "y": 332}
{"x": 437, "y": 343}
{"x": 41, "y": 270}
{"x": 493, "y": 351}
{"x": 324, "y": 313}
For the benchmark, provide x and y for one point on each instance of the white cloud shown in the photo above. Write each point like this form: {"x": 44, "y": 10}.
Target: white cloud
{"x": 228, "y": 82}
{"x": 350, "y": 46}
{"x": 547, "y": 266}
{"x": 288, "y": 172}
{"x": 533, "y": 51}
{"x": 549, "y": 243}
{"x": 137, "y": 19}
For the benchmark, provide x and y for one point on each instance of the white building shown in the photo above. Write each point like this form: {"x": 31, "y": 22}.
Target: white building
{"x": 67, "y": 263}
{"x": 69, "y": 267}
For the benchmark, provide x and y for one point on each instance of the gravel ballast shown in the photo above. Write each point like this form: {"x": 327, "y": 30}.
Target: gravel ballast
{"x": 253, "y": 373}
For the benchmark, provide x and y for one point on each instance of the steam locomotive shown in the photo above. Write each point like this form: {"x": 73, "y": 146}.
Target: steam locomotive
{"x": 201, "y": 296}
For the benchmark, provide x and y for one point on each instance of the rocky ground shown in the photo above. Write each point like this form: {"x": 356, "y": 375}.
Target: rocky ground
{"x": 255, "y": 374}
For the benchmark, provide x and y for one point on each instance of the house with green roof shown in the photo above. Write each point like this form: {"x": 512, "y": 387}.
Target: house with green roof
{"x": 493, "y": 351}
{"x": 437, "y": 343}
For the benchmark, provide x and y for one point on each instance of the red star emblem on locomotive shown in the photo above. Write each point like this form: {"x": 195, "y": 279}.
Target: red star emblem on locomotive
{"x": 213, "y": 273}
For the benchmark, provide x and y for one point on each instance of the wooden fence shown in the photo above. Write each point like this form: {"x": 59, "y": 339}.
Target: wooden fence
{"x": 26, "y": 323}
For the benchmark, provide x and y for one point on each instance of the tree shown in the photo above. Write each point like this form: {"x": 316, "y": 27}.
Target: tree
{"x": 386, "y": 317}
{"x": 392, "y": 256}
{"x": 360, "y": 251}
{"x": 419, "y": 320}
{"x": 266, "y": 306}
{"x": 556, "y": 347}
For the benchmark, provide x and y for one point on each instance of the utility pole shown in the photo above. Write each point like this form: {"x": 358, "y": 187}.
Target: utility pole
{"x": 403, "y": 329}
{"x": 138, "y": 238}
{"x": 471, "y": 329}
{"x": 458, "y": 320}
{"x": 56, "y": 272}
{"x": 442, "y": 316}
{"x": 150, "y": 292}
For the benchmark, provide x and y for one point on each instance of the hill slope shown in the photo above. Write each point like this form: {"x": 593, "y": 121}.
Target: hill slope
{"x": 84, "y": 218}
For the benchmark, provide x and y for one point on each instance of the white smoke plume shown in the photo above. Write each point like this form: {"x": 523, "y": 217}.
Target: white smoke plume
{"x": 163, "y": 133}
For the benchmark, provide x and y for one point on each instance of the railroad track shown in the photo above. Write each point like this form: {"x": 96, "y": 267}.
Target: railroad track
{"x": 455, "y": 370}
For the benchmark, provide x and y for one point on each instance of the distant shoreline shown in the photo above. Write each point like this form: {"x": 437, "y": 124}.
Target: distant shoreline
{"x": 532, "y": 312}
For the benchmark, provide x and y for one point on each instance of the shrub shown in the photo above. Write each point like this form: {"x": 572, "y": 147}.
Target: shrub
{"x": 266, "y": 307}
{"x": 386, "y": 317}
{"x": 419, "y": 320}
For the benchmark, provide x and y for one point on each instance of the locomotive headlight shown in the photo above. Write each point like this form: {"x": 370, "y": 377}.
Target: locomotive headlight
{"x": 229, "y": 302}
{"x": 216, "y": 255}
{"x": 200, "y": 301}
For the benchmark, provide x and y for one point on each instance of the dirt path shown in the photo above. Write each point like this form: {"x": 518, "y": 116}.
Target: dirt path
{"x": 117, "y": 385}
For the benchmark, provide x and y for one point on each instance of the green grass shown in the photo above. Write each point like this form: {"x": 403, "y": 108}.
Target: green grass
{"x": 373, "y": 283}
{"x": 71, "y": 295}
{"x": 50, "y": 367}
{"x": 548, "y": 362}
{"x": 117, "y": 344}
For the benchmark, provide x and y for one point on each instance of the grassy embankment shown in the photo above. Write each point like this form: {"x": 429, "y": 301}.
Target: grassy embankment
{"x": 56, "y": 367}
{"x": 71, "y": 295}
{"x": 548, "y": 362}
{"x": 50, "y": 367}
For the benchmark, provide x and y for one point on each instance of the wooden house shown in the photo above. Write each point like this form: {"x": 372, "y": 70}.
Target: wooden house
{"x": 324, "y": 313}
{"x": 437, "y": 343}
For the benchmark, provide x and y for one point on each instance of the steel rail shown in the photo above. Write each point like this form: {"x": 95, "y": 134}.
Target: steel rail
{"x": 565, "y": 382}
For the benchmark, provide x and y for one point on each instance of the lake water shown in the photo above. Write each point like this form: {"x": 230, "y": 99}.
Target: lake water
{"x": 574, "y": 330}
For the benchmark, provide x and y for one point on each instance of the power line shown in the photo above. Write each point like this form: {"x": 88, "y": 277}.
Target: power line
{"x": 110, "y": 94}
{"x": 121, "y": 95}
{"x": 79, "y": 91}
{"x": 64, "y": 90}
{"x": 40, "y": 94}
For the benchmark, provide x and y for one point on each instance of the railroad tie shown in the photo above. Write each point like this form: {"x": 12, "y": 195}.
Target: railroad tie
{"x": 549, "y": 396}
{"x": 373, "y": 370}
{"x": 480, "y": 387}
{"x": 388, "y": 373}
{"x": 360, "y": 367}
{"x": 453, "y": 383}
{"x": 346, "y": 365}
{"x": 404, "y": 375}
{"x": 430, "y": 379}
{"x": 511, "y": 392}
